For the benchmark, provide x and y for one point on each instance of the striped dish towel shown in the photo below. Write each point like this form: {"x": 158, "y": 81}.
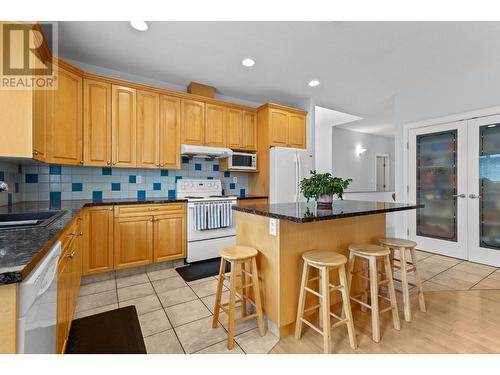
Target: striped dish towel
{"x": 212, "y": 215}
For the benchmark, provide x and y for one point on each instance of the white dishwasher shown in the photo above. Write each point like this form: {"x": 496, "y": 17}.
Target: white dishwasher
{"x": 38, "y": 306}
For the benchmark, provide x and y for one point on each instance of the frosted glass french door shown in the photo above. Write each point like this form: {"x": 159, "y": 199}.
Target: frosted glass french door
{"x": 438, "y": 180}
{"x": 484, "y": 190}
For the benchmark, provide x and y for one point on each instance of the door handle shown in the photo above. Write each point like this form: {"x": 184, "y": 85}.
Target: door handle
{"x": 459, "y": 195}
{"x": 474, "y": 196}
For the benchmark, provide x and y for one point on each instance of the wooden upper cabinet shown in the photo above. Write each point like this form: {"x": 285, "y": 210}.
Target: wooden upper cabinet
{"x": 278, "y": 131}
{"x": 169, "y": 237}
{"x": 96, "y": 123}
{"x": 249, "y": 130}
{"x": 215, "y": 125}
{"x": 148, "y": 117}
{"x": 124, "y": 126}
{"x": 64, "y": 125}
{"x": 98, "y": 240}
{"x": 297, "y": 131}
{"x": 193, "y": 122}
{"x": 133, "y": 241}
{"x": 40, "y": 125}
{"x": 234, "y": 128}
{"x": 170, "y": 132}
{"x": 241, "y": 130}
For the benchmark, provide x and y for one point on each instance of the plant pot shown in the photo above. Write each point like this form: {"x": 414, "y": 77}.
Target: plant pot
{"x": 324, "y": 201}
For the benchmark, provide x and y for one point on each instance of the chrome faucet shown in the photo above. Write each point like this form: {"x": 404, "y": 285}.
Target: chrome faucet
{"x": 4, "y": 186}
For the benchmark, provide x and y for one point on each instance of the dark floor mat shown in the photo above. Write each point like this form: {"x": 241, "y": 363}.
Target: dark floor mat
{"x": 111, "y": 332}
{"x": 200, "y": 270}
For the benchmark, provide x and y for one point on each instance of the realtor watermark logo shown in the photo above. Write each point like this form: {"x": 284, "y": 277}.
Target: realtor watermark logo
{"x": 27, "y": 54}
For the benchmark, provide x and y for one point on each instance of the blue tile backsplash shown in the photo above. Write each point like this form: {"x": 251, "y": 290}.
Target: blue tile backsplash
{"x": 55, "y": 182}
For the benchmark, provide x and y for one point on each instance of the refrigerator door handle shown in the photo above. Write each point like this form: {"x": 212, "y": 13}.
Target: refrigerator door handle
{"x": 295, "y": 166}
{"x": 299, "y": 177}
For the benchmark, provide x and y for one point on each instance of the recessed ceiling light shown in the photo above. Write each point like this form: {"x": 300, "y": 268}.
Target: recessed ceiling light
{"x": 248, "y": 62}
{"x": 492, "y": 125}
{"x": 313, "y": 83}
{"x": 139, "y": 25}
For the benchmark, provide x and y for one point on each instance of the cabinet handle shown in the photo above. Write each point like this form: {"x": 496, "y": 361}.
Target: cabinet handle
{"x": 35, "y": 152}
{"x": 151, "y": 219}
{"x": 110, "y": 209}
{"x": 81, "y": 233}
{"x": 72, "y": 254}
{"x": 108, "y": 163}
{"x": 81, "y": 161}
{"x": 114, "y": 163}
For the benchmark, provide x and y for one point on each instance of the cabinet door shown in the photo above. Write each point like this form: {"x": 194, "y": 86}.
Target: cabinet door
{"x": 278, "y": 131}
{"x": 148, "y": 110}
{"x": 249, "y": 141}
{"x": 169, "y": 237}
{"x": 40, "y": 125}
{"x": 96, "y": 123}
{"x": 193, "y": 122}
{"x": 215, "y": 126}
{"x": 98, "y": 240}
{"x": 133, "y": 241}
{"x": 124, "y": 126}
{"x": 170, "y": 132}
{"x": 297, "y": 131}
{"x": 234, "y": 128}
{"x": 62, "y": 305}
{"x": 65, "y": 126}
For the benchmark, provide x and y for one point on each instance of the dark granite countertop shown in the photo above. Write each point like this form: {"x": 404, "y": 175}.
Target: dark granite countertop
{"x": 242, "y": 197}
{"x": 307, "y": 212}
{"x": 21, "y": 249}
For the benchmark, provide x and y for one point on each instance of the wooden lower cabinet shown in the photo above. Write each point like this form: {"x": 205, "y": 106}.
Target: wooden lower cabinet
{"x": 146, "y": 234}
{"x": 68, "y": 283}
{"x": 98, "y": 254}
{"x": 133, "y": 241}
{"x": 251, "y": 201}
{"x": 169, "y": 237}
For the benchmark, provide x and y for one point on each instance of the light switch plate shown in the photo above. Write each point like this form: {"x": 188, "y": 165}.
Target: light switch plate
{"x": 235, "y": 179}
{"x": 272, "y": 227}
{"x": 138, "y": 179}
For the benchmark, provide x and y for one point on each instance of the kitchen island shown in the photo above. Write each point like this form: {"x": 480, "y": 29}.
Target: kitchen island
{"x": 283, "y": 232}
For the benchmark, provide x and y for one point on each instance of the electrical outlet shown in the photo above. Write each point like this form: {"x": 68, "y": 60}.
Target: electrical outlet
{"x": 272, "y": 227}
{"x": 235, "y": 179}
{"x": 138, "y": 179}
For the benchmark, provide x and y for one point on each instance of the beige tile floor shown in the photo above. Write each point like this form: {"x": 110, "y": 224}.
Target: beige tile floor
{"x": 444, "y": 273}
{"x": 175, "y": 316}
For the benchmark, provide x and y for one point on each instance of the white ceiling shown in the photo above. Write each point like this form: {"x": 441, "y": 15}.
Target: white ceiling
{"x": 361, "y": 65}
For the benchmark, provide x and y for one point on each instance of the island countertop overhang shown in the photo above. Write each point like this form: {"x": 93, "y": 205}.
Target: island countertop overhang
{"x": 305, "y": 212}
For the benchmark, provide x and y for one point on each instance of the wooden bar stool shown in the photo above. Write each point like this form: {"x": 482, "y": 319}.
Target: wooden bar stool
{"x": 401, "y": 245}
{"x": 373, "y": 254}
{"x": 324, "y": 261}
{"x": 238, "y": 256}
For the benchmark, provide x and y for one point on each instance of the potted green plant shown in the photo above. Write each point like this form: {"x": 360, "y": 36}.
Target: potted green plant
{"x": 323, "y": 187}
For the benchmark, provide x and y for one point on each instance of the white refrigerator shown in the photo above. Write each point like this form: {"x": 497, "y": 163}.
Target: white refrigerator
{"x": 288, "y": 167}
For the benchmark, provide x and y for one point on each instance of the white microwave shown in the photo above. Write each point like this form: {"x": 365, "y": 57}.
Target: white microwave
{"x": 242, "y": 160}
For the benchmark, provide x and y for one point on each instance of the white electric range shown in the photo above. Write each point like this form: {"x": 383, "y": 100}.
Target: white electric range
{"x": 205, "y": 195}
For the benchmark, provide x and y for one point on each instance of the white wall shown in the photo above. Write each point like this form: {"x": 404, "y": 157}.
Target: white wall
{"x": 470, "y": 92}
{"x": 362, "y": 169}
{"x": 324, "y": 120}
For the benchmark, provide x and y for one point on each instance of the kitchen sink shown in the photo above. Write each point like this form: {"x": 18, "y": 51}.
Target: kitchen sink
{"x": 28, "y": 220}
